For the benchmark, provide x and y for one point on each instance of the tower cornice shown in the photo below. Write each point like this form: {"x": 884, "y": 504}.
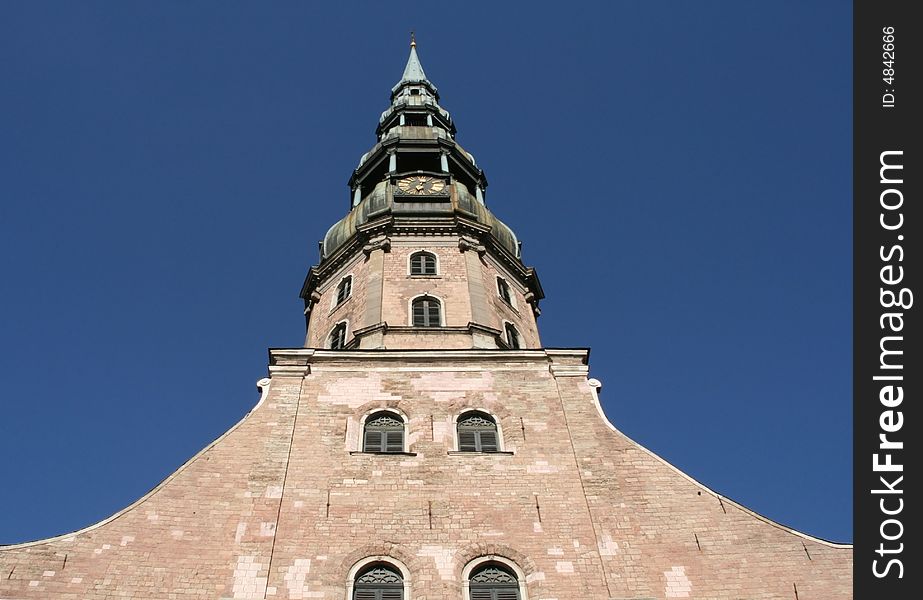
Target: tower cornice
{"x": 295, "y": 357}
{"x": 391, "y": 226}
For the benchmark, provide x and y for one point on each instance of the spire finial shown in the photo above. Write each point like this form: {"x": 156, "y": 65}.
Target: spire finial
{"x": 413, "y": 40}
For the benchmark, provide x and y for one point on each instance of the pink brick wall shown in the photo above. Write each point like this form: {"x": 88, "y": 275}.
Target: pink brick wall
{"x": 391, "y": 302}
{"x": 325, "y": 314}
{"x": 519, "y": 313}
{"x": 450, "y": 285}
{"x": 281, "y": 507}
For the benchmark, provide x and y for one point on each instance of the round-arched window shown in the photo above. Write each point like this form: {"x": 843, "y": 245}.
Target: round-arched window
{"x": 384, "y": 433}
{"x": 426, "y": 312}
{"x": 380, "y": 581}
{"x": 512, "y": 337}
{"x": 423, "y": 263}
{"x": 337, "y": 338}
{"x": 493, "y": 581}
{"x": 477, "y": 432}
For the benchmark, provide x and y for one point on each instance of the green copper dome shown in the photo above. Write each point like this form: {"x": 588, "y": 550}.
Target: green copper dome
{"x": 459, "y": 203}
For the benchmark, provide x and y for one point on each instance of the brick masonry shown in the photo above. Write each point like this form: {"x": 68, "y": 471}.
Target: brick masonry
{"x": 383, "y": 288}
{"x": 285, "y": 506}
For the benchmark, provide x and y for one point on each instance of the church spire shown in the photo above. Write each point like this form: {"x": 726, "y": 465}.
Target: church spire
{"x": 413, "y": 72}
{"x": 414, "y": 76}
{"x": 426, "y": 263}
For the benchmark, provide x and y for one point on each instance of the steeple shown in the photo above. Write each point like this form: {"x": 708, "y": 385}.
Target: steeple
{"x": 419, "y": 261}
{"x": 414, "y": 78}
{"x": 413, "y": 72}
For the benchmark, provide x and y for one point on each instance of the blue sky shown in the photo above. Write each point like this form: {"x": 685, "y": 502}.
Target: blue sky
{"x": 679, "y": 173}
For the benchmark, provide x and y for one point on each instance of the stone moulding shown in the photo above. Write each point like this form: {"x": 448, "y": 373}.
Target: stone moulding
{"x": 569, "y": 370}
{"x": 307, "y": 356}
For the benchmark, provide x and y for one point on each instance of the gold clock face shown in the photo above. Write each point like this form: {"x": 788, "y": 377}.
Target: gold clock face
{"x": 421, "y": 185}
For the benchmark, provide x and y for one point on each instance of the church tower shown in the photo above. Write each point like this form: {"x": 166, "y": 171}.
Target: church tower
{"x": 423, "y": 444}
{"x": 420, "y": 261}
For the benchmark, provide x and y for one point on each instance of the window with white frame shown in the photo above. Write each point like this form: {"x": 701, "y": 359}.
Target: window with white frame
{"x": 512, "y": 336}
{"x": 493, "y": 581}
{"x": 379, "y": 581}
{"x": 383, "y": 433}
{"x": 423, "y": 263}
{"x": 426, "y": 311}
{"x": 503, "y": 289}
{"x": 337, "y": 338}
{"x": 344, "y": 290}
{"x": 477, "y": 432}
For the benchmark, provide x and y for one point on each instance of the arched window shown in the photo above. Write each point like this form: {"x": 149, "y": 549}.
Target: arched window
{"x": 512, "y": 336}
{"x": 426, "y": 312}
{"x": 493, "y": 581}
{"x": 379, "y": 582}
{"x": 503, "y": 288}
{"x": 384, "y": 433}
{"x": 477, "y": 432}
{"x": 337, "y": 338}
{"x": 423, "y": 263}
{"x": 344, "y": 289}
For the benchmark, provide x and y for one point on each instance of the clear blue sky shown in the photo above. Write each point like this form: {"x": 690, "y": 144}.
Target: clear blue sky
{"x": 679, "y": 173}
